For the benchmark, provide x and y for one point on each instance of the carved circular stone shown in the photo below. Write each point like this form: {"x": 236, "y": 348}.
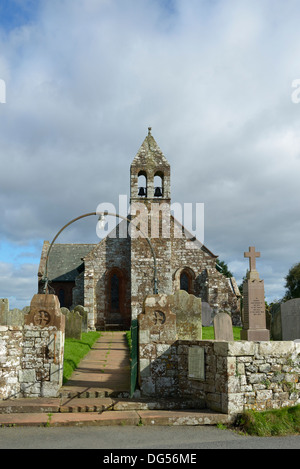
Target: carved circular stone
{"x": 159, "y": 317}
{"x": 42, "y": 318}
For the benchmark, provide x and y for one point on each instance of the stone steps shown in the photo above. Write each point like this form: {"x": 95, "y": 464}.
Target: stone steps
{"x": 105, "y": 411}
{"x": 127, "y": 417}
{"x": 102, "y": 404}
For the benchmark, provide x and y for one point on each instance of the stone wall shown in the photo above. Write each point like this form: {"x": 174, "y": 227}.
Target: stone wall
{"x": 11, "y": 346}
{"x": 31, "y": 355}
{"x": 242, "y": 375}
{"x": 227, "y": 377}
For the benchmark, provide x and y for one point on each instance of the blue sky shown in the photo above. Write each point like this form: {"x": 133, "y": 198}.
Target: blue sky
{"x": 86, "y": 78}
{"x": 16, "y": 13}
{"x": 29, "y": 253}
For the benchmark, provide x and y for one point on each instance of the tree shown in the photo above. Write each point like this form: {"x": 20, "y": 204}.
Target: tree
{"x": 223, "y": 268}
{"x": 293, "y": 282}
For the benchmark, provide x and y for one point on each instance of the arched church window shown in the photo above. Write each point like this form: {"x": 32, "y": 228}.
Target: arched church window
{"x": 184, "y": 282}
{"x": 158, "y": 185}
{"x": 142, "y": 184}
{"x": 115, "y": 293}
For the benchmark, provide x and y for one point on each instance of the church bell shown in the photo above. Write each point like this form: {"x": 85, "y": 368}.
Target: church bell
{"x": 158, "y": 192}
{"x": 142, "y": 192}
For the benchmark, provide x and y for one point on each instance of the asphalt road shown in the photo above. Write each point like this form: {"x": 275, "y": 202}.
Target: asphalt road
{"x": 137, "y": 438}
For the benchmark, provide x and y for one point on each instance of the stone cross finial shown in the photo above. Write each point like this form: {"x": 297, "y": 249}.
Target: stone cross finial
{"x": 252, "y": 255}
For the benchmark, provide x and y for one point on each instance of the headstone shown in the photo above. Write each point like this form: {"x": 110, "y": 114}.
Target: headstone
{"x": 4, "y": 309}
{"x": 275, "y": 323}
{"x": 254, "y": 317}
{"x": 207, "y": 315}
{"x": 290, "y": 319}
{"x": 15, "y": 317}
{"x": 84, "y": 315}
{"x": 223, "y": 327}
{"x": 73, "y": 325}
{"x": 188, "y": 315}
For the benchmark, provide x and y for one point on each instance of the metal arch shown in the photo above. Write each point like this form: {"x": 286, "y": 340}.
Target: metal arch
{"x": 45, "y": 277}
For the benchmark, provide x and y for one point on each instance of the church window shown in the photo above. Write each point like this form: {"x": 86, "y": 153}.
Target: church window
{"x": 115, "y": 292}
{"x": 184, "y": 282}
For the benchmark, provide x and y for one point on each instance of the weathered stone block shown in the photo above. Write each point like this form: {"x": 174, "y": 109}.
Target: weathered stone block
{"x": 27, "y": 376}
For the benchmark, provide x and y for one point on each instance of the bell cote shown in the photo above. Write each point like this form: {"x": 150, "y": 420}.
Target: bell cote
{"x": 150, "y": 173}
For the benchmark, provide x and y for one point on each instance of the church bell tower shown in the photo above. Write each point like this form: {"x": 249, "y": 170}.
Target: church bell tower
{"x": 150, "y": 194}
{"x": 150, "y": 174}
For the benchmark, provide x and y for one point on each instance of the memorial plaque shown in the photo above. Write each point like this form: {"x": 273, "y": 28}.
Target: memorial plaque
{"x": 196, "y": 363}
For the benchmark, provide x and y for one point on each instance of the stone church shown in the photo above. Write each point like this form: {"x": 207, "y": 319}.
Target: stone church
{"x": 112, "y": 278}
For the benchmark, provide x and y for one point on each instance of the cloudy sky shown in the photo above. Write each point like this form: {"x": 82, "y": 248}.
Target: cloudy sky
{"x": 84, "y": 80}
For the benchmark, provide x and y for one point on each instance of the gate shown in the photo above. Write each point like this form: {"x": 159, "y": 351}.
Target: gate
{"x": 133, "y": 356}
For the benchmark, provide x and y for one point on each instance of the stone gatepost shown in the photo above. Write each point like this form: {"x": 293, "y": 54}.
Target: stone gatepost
{"x": 165, "y": 320}
{"x": 43, "y": 348}
{"x": 157, "y": 351}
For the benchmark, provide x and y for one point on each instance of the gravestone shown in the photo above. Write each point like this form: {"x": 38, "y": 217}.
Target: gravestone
{"x": 207, "y": 315}
{"x": 73, "y": 325}
{"x": 84, "y": 315}
{"x": 275, "y": 323}
{"x": 290, "y": 319}
{"x": 223, "y": 327}
{"x": 15, "y": 317}
{"x": 188, "y": 315}
{"x": 4, "y": 309}
{"x": 254, "y": 317}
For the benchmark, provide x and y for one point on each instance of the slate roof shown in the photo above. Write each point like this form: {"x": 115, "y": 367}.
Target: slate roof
{"x": 65, "y": 261}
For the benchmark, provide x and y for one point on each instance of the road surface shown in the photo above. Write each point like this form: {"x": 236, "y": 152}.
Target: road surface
{"x": 137, "y": 438}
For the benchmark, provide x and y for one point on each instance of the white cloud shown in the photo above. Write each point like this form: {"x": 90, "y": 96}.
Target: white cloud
{"x": 18, "y": 283}
{"x": 214, "y": 79}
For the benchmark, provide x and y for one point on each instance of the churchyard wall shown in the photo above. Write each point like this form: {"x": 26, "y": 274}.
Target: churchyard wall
{"x": 222, "y": 375}
{"x": 241, "y": 375}
{"x": 31, "y": 355}
{"x": 232, "y": 376}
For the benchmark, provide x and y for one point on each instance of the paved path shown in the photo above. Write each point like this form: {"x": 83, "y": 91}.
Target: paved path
{"x": 106, "y": 368}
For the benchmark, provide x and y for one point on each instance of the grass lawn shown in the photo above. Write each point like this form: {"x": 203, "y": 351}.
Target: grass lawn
{"x": 208, "y": 333}
{"x": 75, "y": 350}
{"x": 278, "y": 422}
